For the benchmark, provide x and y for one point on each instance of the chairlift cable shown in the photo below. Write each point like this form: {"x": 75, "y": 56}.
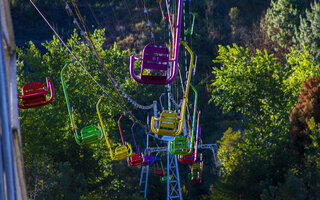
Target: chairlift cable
{"x": 103, "y": 66}
{"x": 131, "y": 100}
{"x": 145, "y": 10}
{"x": 169, "y": 15}
{"x": 74, "y": 56}
{"x": 93, "y": 13}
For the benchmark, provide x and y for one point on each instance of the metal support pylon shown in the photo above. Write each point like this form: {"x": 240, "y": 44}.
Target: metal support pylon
{"x": 143, "y": 184}
{"x": 173, "y": 178}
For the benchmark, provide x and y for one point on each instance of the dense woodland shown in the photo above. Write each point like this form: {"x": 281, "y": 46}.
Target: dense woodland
{"x": 258, "y": 79}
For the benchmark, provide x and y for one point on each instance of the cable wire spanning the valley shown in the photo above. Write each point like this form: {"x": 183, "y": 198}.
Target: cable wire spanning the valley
{"x": 74, "y": 56}
{"x": 145, "y": 11}
{"x": 82, "y": 65}
{"x": 93, "y": 48}
{"x": 131, "y": 100}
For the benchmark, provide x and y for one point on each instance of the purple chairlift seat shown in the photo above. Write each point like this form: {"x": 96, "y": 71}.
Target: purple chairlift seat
{"x": 155, "y": 57}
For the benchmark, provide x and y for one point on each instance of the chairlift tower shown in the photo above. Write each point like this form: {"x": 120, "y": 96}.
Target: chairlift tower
{"x": 173, "y": 178}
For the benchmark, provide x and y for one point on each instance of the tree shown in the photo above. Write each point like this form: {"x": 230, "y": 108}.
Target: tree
{"x": 249, "y": 84}
{"x": 282, "y": 19}
{"x": 307, "y": 34}
{"x": 306, "y": 109}
{"x": 256, "y": 160}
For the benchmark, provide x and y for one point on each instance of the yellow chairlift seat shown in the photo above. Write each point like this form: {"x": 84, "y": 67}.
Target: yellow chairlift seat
{"x": 169, "y": 123}
{"x": 196, "y": 172}
{"x": 121, "y": 152}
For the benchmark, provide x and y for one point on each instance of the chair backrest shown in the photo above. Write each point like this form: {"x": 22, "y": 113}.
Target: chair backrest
{"x": 159, "y": 172}
{"x": 168, "y": 120}
{"x": 135, "y": 160}
{"x": 121, "y": 152}
{"x": 90, "y": 134}
{"x": 180, "y": 142}
{"x": 155, "y": 57}
{"x": 148, "y": 159}
{"x": 189, "y": 158}
{"x": 121, "y": 149}
{"x": 33, "y": 88}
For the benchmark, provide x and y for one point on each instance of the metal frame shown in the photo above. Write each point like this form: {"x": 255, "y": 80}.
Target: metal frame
{"x": 214, "y": 149}
{"x": 12, "y": 180}
{"x": 173, "y": 178}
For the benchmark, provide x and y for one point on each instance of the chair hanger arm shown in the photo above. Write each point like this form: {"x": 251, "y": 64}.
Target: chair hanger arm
{"x": 131, "y": 68}
{"x": 51, "y": 88}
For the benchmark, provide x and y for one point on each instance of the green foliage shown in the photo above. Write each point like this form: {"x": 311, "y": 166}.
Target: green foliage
{"x": 302, "y": 179}
{"x": 282, "y": 19}
{"x": 256, "y": 161}
{"x": 56, "y": 167}
{"x": 251, "y": 161}
{"x": 308, "y": 32}
{"x": 228, "y": 150}
{"x": 310, "y": 173}
{"x": 301, "y": 68}
{"x": 249, "y": 84}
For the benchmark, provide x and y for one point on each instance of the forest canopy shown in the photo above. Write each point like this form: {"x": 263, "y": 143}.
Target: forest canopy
{"x": 257, "y": 77}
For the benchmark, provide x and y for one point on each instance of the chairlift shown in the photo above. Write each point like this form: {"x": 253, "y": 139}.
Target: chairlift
{"x": 147, "y": 157}
{"x": 120, "y": 152}
{"x": 194, "y": 155}
{"x": 169, "y": 123}
{"x": 34, "y": 94}
{"x": 136, "y": 158}
{"x": 89, "y": 134}
{"x": 158, "y": 167}
{"x": 155, "y": 57}
{"x": 196, "y": 173}
{"x": 180, "y": 145}
{"x": 125, "y": 150}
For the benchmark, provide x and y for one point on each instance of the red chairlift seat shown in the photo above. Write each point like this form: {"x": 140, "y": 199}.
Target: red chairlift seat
{"x": 34, "y": 94}
{"x": 158, "y": 172}
{"x": 134, "y": 160}
{"x": 158, "y": 167}
{"x": 187, "y": 159}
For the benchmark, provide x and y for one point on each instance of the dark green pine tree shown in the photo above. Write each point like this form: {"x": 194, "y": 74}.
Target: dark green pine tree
{"x": 282, "y": 19}
{"x": 308, "y": 32}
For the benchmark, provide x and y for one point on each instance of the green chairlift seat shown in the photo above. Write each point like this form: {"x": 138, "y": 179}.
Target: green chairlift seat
{"x": 180, "y": 144}
{"x": 89, "y": 134}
